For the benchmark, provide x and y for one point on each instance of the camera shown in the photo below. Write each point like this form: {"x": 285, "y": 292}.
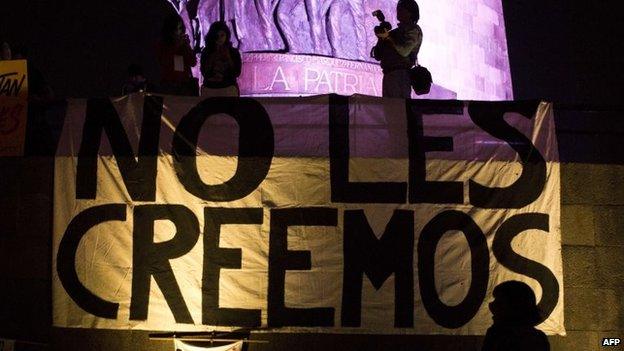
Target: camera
{"x": 383, "y": 24}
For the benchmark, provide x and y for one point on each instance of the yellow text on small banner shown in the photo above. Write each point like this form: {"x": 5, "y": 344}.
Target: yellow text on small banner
{"x": 13, "y": 107}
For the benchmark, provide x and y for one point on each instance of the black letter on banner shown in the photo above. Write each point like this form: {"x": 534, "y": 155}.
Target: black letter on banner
{"x": 255, "y": 141}
{"x": 282, "y": 259}
{"x": 138, "y": 176}
{"x": 528, "y": 187}
{"x": 66, "y": 258}
{"x": 521, "y": 265}
{"x": 216, "y": 258}
{"x": 364, "y": 253}
{"x": 420, "y": 189}
{"x": 452, "y": 316}
{"x": 152, "y": 259}
{"x": 341, "y": 189}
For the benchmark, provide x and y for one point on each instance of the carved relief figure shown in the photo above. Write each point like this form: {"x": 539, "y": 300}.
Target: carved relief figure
{"x": 336, "y": 27}
{"x": 255, "y": 26}
{"x": 322, "y": 27}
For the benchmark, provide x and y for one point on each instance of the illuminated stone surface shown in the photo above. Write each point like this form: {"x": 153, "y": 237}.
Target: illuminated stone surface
{"x": 464, "y": 45}
{"x": 300, "y": 75}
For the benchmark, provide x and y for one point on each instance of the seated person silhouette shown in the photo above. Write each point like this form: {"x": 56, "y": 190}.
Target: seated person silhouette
{"x": 514, "y": 315}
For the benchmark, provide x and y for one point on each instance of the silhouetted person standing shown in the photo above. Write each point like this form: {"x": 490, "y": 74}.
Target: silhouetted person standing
{"x": 176, "y": 59}
{"x": 515, "y": 316}
{"x": 220, "y": 63}
{"x": 39, "y": 91}
{"x": 398, "y": 49}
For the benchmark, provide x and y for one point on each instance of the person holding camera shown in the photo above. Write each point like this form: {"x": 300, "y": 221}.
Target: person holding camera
{"x": 397, "y": 49}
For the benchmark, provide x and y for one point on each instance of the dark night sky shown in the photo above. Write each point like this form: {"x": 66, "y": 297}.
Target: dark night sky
{"x": 564, "y": 50}
{"x": 567, "y": 50}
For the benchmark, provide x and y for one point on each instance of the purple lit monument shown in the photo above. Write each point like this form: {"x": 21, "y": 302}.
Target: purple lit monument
{"x": 305, "y": 47}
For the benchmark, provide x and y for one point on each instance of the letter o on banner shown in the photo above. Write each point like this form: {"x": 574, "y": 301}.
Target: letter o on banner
{"x": 255, "y": 145}
{"x": 442, "y": 314}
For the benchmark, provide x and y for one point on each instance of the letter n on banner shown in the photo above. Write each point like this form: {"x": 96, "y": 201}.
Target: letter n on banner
{"x": 13, "y": 107}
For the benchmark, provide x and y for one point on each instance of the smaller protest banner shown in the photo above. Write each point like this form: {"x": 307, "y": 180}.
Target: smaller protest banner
{"x": 7, "y": 345}
{"x": 13, "y": 107}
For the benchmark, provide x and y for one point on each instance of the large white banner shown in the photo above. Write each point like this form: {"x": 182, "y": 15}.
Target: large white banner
{"x": 329, "y": 213}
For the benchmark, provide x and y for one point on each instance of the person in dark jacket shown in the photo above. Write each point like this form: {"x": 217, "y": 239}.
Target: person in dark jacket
{"x": 220, "y": 63}
{"x": 515, "y": 315}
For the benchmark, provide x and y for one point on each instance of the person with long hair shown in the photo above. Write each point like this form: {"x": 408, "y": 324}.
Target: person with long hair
{"x": 397, "y": 50}
{"x": 176, "y": 59}
{"x": 220, "y": 63}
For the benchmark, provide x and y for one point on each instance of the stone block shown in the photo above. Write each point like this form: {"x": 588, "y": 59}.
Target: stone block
{"x": 610, "y": 267}
{"x": 590, "y": 309}
{"x": 34, "y": 262}
{"x": 34, "y": 217}
{"x": 576, "y": 184}
{"x": 92, "y": 339}
{"x": 8, "y": 217}
{"x": 37, "y": 175}
{"x": 5, "y": 301}
{"x": 609, "y": 225}
{"x": 611, "y": 184}
{"x": 592, "y": 184}
{"x": 25, "y": 310}
{"x": 9, "y": 175}
{"x": 579, "y": 266}
{"x": 577, "y": 225}
{"x": 22, "y": 260}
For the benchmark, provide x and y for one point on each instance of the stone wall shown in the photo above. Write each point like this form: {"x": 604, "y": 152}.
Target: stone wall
{"x": 592, "y": 227}
{"x": 465, "y": 47}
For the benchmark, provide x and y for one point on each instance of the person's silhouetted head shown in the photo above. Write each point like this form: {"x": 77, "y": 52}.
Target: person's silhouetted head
{"x": 515, "y": 315}
{"x": 218, "y": 34}
{"x": 173, "y": 28}
{"x": 134, "y": 71}
{"x": 514, "y": 304}
{"x": 135, "y": 81}
{"x": 408, "y": 11}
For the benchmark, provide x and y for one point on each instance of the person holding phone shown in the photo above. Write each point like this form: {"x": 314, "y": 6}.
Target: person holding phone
{"x": 220, "y": 63}
{"x": 176, "y": 59}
